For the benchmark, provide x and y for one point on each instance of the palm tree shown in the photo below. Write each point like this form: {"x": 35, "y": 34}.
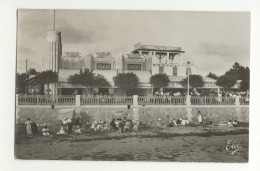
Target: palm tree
{"x": 89, "y": 79}
{"x": 126, "y": 81}
{"x": 159, "y": 80}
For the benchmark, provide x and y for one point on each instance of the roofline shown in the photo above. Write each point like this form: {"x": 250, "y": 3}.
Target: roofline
{"x": 179, "y": 51}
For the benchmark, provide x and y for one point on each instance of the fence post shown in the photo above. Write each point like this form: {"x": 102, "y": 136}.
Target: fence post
{"x": 135, "y": 100}
{"x": 237, "y": 102}
{"x": 17, "y": 100}
{"x": 188, "y": 100}
{"x": 77, "y": 100}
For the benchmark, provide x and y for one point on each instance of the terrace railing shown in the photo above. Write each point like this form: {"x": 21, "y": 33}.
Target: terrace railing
{"x": 212, "y": 100}
{"x": 91, "y": 100}
{"x": 162, "y": 100}
{"x": 244, "y": 101}
{"x": 79, "y": 100}
{"x": 46, "y": 100}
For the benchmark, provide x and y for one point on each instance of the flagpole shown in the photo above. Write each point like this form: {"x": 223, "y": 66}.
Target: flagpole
{"x": 188, "y": 73}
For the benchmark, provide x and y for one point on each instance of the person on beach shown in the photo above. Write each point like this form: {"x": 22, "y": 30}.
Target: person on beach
{"x": 179, "y": 121}
{"x": 113, "y": 124}
{"x": 136, "y": 125}
{"x": 45, "y": 131}
{"x": 120, "y": 126}
{"x": 235, "y": 124}
{"x": 159, "y": 122}
{"x": 199, "y": 118}
{"x": 34, "y": 128}
{"x": 229, "y": 124}
{"x": 106, "y": 126}
{"x": 77, "y": 130}
{"x": 126, "y": 126}
{"x": 183, "y": 122}
{"x": 61, "y": 131}
{"x": 187, "y": 121}
{"x": 28, "y": 124}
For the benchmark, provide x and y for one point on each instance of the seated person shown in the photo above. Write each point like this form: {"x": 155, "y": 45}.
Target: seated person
{"x": 159, "y": 122}
{"x": 174, "y": 122}
{"x": 235, "y": 124}
{"x": 120, "y": 127}
{"x": 179, "y": 121}
{"x": 62, "y": 131}
{"x": 126, "y": 126}
{"x": 229, "y": 124}
{"x": 183, "y": 122}
{"x": 187, "y": 121}
{"x": 45, "y": 131}
{"x": 136, "y": 125}
{"x": 77, "y": 130}
{"x": 113, "y": 124}
{"x": 106, "y": 126}
{"x": 87, "y": 125}
{"x": 204, "y": 121}
{"x": 117, "y": 121}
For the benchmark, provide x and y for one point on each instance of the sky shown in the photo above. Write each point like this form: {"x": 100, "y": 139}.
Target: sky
{"x": 215, "y": 40}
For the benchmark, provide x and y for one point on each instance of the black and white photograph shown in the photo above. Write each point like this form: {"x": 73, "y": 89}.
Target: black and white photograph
{"x": 132, "y": 85}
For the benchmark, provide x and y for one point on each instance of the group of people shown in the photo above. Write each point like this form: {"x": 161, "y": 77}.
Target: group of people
{"x": 124, "y": 124}
{"x": 98, "y": 125}
{"x": 70, "y": 126}
{"x": 171, "y": 122}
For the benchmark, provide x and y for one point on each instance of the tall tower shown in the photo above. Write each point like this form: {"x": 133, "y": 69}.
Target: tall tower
{"x": 53, "y": 54}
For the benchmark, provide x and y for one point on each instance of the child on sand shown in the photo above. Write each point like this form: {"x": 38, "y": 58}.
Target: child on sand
{"x": 183, "y": 122}
{"x": 187, "y": 121}
{"x": 199, "y": 118}
{"x": 61, "y": 130}
{"x": 235, "y": 124}
{"x": 45, "y": 131}
{"x": 229, "y": 124}
{"x": 136, "y": 125}
{"x": 77, "y": 130}
{"x": 120, "y": 127}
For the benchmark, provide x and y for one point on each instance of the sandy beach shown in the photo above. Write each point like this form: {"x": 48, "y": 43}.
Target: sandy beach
{"x": 203, "y": 143}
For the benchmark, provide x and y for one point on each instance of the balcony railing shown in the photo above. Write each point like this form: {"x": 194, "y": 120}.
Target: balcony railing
{"x": 162, "y": 100}
{"x": 79, "y": 100}
{"x": 244, "y": 101}
{"x": 86, "y": 100}
{"x": 212, "y": 100}
{"x": 46, "y": 100}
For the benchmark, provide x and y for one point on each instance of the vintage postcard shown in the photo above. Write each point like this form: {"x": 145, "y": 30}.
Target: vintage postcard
{"x": 129, "y": 85}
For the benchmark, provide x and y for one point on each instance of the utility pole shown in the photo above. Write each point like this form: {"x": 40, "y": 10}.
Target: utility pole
{"x": 54, "y": 19}
{"x": 26, "y": 65}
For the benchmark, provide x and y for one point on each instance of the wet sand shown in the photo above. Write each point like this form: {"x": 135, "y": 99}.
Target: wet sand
{"x": 182, "y": 144}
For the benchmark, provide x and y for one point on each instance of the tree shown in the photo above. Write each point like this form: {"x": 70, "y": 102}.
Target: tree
{"x": 32, "y": 71}
{"x": 226, "y": 81}
{"x": 88, "y": 78}
{"x": 245, "y": 77}
{"x": 212, "y": 75}
{"x": 126, "y": 81}
{"x": 159, "y": 80}
{"x": 238, "y": 72}
{"x": 20, "y": 84}
{"x": 46, "y": 77}
{"x": 195, "y": 81}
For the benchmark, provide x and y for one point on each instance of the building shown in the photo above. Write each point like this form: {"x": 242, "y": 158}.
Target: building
{"x": 144, "y": 61}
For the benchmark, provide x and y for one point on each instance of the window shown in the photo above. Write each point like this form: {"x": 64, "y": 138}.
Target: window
{"x": 103, "y": 66}
{"x": 174, "y": 70}
{"x": 133, "y": 66}
{"x": 160, "y": 69}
